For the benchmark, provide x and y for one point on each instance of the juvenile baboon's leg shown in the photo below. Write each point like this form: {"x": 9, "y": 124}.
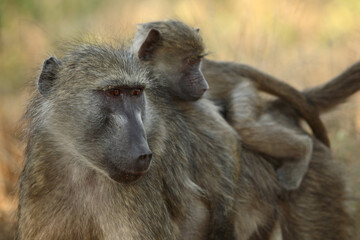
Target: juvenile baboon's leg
{"x": 263, "y": 133}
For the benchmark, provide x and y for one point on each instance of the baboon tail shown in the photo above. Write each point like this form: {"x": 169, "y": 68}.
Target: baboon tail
{"x": 287, "y": 93}
{"x": 336, "y": 91}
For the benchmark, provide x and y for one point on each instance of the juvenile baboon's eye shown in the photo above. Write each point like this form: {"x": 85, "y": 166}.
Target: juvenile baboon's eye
{"x": 136, "y": 92}
{"x": 193, "y": 60}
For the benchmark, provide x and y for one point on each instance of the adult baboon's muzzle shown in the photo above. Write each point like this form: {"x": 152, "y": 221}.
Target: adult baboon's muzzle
{"x": 136, "y": 169}
{"x": 143, "y": 162}
{"x": 133, "y": 158}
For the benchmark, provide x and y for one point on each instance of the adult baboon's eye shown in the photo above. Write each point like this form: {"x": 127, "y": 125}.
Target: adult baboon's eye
{"x": 136, "y": 92}
{"x": 114, "y": 92}
{"x": 193, "y": 60}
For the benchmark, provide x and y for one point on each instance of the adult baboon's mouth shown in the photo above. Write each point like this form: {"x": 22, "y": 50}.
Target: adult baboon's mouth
{"x": 127, "y": 177}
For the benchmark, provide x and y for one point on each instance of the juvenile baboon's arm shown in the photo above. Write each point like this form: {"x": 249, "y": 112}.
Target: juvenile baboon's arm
{"x": 224, "y": 75}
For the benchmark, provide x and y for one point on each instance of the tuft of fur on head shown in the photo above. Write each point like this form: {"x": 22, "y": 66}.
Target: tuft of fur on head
{"x": 80, "y": 56}
{"x": 174, "y": 34}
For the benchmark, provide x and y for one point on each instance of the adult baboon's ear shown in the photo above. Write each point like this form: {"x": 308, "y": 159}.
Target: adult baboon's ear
{"x": 197, "y": 29}
{"x": 48, "y": 75}
{"x": 147, "y": 49}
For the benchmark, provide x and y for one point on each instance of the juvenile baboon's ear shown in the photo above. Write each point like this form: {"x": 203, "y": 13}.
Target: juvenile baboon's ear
{"x": 147, "y": 49}
{"x": 48, "y": 75}
{"x": 197, "y": 29}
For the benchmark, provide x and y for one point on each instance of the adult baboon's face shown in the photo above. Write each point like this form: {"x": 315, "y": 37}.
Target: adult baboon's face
{"x": 121, "y": 134}
{"x": 99, "y": 112}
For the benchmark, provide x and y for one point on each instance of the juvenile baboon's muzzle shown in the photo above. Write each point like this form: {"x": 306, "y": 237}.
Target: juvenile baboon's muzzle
{"x": 195, "y": 89}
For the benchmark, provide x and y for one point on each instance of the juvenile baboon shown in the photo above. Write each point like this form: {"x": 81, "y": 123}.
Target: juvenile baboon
{"x": 263, "y": 210}
{"x": 89, "y": 172}
{"x": 259, "y": 131}
{"x": 213, "y": 129}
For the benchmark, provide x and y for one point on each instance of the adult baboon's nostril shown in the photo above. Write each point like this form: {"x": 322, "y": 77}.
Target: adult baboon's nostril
{"x": 143, "y": 162}
{"x": 145, "y": 157}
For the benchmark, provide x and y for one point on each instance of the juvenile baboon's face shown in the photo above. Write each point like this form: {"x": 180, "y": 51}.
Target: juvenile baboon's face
{"x": 175, "y": 55}
{"x": 98, "y": 107}
{"x": 184, "y": 77}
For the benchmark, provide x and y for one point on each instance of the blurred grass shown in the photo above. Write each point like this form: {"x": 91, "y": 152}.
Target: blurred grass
{"x": 303, "y": 42}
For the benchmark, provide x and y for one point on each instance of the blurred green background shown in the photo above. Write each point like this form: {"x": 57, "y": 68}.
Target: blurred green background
{"x": 301, "y": 41}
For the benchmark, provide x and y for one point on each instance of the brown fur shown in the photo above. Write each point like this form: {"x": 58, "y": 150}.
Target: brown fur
{"x": 327, "y": 96}
{"x": 209, "y": 129}
{"x": 263, "y": 210}
{"x": 244, "y": 110}
{"x": 66, "y": 194}
{"x": 315, "y": 210}
{"x": 63, "y": 195}
{"x": 244, "y": 106}
{"x": 237, "y": 72}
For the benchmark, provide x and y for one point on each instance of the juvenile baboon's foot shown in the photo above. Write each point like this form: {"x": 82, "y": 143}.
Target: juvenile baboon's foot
{"x": 291, "y": 173}
{"x": 286, "y": 177}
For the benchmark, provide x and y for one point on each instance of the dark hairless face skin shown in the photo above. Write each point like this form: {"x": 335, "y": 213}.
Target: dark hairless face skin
{"x": 130, "y": 157}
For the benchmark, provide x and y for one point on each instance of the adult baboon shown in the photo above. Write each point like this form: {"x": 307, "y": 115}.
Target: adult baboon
{"x": 156, "y": 41}
{"x": 87, "y": 160}
{"x": 86, "y": 140}
{"x": 315, "y": 211}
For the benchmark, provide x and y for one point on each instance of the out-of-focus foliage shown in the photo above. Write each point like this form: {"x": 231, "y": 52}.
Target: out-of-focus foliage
{"x": 241, "y": 30}
{"x": 24, "y": 28}
{"x": 305, "y": 42}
